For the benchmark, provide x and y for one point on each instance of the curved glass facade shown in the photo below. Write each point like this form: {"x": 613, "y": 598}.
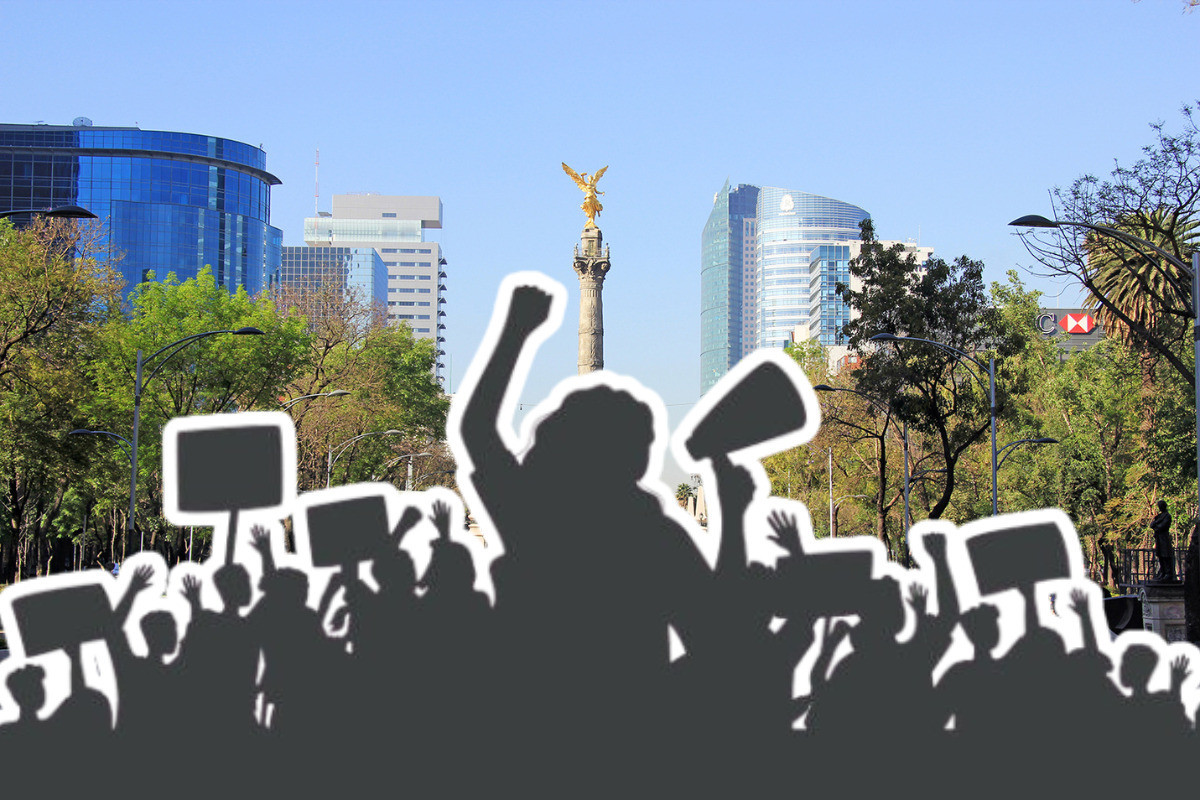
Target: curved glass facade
{"x": 726, "y": 240}
{"x": 792, "y": 227}
{"x": 170, "y": 202}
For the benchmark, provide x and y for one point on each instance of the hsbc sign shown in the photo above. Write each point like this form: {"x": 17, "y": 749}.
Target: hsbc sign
{"x": 1072, "y": 321}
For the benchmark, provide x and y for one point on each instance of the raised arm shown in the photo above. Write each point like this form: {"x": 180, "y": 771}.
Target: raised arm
{"x": 530, "y": 307}
{"x": 1079, "y": 604}
{"x": 408, "y": 521}
{"x": 441, "y": 519}
{"x": 735, "y": 490}
{"x": 260, "y": 540}
{"x": 137, "y": 584}
{"x": 947, "y": 592}
{"x": 118, "y": 642}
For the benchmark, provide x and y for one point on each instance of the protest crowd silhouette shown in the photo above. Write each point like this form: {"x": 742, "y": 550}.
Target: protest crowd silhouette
{"x": 343, "y": 667}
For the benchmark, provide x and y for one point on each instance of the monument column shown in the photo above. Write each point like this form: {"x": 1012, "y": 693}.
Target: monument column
{"x": 591, "y": 265}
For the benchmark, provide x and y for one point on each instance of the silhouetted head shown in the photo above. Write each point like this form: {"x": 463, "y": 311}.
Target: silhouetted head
{"x": 1137, "y": 666}
{"x": 1162, "y": 505}
{"x": 161, "y": 633}
{"x": 27, "y": 685}
{"x": 450, "y": 569}
{"x": 286, "y": 586}
{"x": 597, "y": 436}
{"x": 233, "y": 584}
{"x": 394, "y": 569}
{"x": 982, "y": 626}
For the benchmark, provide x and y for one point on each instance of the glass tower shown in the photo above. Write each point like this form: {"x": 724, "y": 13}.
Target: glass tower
{"x": 790, "y": 270}
{"x": 169, "y": 202}
{"x": 359, "y": 271}
{"x": 726, "y": 281}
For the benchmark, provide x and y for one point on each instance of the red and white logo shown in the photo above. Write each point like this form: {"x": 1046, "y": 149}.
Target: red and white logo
{"x": 1077, "y": 323}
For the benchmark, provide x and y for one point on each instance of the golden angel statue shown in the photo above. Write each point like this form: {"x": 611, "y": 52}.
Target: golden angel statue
{"x": 591, "y": 204}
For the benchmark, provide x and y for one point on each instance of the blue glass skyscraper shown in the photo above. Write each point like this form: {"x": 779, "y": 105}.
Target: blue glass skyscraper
{"x": 770, "y": 259}
{"x": 170, "y": 202}
{"x": 726, "y": 281}
{"x": 792, "y": 226}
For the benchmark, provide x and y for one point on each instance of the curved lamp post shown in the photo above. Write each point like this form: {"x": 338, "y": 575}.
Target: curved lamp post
{"x": 139, "y": 383}
{"x": 1011, "y": 445}
{"x": 341, "y": 448}
{"x": 128, "y": 445}
{"x": 332, "y": 393}
{"x": 838, "y": 504}
{"x": 990, "y": 367}
{"x": 1137, "y": 243}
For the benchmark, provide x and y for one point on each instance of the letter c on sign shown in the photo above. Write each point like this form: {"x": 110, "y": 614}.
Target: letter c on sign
{"x": 1046, "y": 322}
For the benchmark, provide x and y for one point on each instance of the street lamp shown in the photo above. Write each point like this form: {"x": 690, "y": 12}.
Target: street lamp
{"x": 139, "y": 384}
{"x": 1037, "y": 221}
{"x": 341, "y": 448}
{"x": 61, "y": 212}
{"x": 991, "y": 387}
{"x": 836, "y": 505}
{"x": 294, "y": 400}
{"x": 1010, "y": 445}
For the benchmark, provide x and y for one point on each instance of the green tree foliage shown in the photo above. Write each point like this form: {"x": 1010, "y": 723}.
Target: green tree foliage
{"x": 938, "y": 393}
{"x": 1136, "y": 292}
{"x": 54, "y": 298}
{"x": 68, "y": 354}
{"x": 389, "y": 373}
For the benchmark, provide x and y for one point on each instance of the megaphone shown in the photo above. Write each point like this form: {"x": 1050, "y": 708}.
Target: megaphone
{"x": 763, "y": 405}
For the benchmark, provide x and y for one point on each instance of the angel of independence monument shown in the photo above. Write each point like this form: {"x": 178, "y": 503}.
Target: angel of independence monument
{"x": 591, "y": 265}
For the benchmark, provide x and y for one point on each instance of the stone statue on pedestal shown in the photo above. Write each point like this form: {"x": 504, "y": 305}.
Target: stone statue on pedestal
{"x": 1163, "y": 551}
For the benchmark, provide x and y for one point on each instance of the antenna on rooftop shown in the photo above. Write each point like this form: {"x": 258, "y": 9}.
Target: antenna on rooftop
{"x": 317, "y": 184}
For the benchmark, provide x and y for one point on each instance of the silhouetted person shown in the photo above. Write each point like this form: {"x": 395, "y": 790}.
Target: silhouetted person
{"x": 299, "y": 675}
{"x": 26, "y": 740}
{"x": 594, "y": 572}
{"x": 1153, "y": 714}
{"x": 150, "y": 693}
{"x": 220, "y": 657}
{"x": 1164, "y": 551}
{"x": 451, "y": 655}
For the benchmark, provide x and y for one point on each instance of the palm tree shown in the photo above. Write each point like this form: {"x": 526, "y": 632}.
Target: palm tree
{"x": 1147, "y": 289}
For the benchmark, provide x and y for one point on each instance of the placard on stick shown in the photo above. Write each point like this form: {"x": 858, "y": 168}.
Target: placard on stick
{"x": 230, "y": 469}
{"x": 62, "y": 618}
{"x": 347, "y": 531}
{"x": 1018, "y": 557}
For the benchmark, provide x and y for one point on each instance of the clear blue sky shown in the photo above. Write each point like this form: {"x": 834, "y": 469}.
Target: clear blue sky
{"x": 942, "y": 119}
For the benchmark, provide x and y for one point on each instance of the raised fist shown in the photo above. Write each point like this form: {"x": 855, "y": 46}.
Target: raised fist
{"x": 530, "y": 306}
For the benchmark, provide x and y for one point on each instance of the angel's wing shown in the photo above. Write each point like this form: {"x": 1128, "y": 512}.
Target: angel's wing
{"x": 596, "y": 177}
{"x": 575, "y": 177}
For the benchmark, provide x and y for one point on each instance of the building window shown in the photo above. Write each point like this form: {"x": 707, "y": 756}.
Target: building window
{"x": 389, "y": 215}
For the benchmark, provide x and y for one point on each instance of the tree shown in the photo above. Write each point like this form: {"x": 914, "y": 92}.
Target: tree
{"x": 54, "y": 297}
{"x": 936, "y": 392}
{"x": 389, "y": 373}
{"x": 1135, "y": 291}
{"x": 212, "y": 375}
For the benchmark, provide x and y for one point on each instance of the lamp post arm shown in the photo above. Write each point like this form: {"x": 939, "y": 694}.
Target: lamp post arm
{"x": 334, "y": 456}
{"x": 1011, "y": 445}
{"x": 178, "y": 345}
{"x": 1133, "y": 242}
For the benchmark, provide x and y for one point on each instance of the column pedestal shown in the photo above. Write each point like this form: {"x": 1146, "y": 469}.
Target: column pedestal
{"x": 591, "y": 265}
